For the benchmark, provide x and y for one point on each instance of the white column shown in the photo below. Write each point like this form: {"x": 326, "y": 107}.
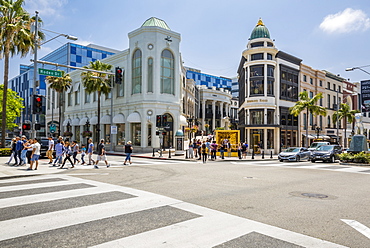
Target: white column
{"x": 213, "y": 115}
{"x": 203, "y": 113}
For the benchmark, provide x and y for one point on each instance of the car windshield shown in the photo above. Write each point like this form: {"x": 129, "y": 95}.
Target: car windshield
{"x": 315, "y": 145}
{"x": 292, "y": 149}
{"x": 325, "y": 148}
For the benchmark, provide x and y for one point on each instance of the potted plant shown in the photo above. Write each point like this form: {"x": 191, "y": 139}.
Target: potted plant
{"x": 67, "y": 134}
{"x": 187, "y": 129}
{"x": 194, "y": 129}
{"x": 86, "y": 134}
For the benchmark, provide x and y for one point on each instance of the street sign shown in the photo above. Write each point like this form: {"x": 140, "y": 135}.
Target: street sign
{"x": 52, "y": 73}
{"x": 53, "y": 128}
{"x": 113, "y": 130}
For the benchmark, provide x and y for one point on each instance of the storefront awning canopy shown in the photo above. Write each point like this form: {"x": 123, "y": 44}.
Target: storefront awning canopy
{"x": 75, "y": 122}
{"x": 119, "y": 119}
{"x": 311, "y": 136}
{"x": 183, "y": 121}
{"x": 105, "y": 119}
{"x": 134, "y": 117}
{"x": 94, "y": 120}
{"x": 83, "y": 121}
{"x": 65, "y": 122}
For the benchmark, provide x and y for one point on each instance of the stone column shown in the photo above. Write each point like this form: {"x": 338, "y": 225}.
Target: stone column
{"x": 203, "y": 113}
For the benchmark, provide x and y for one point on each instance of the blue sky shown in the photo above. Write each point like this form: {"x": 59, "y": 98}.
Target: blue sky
{"x": 327, "y": 35}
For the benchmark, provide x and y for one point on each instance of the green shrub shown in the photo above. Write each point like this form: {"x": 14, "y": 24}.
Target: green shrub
{"x": 346, "y": 157}
{"x": 360, "y": 157}
{"x": 5, "y": 151}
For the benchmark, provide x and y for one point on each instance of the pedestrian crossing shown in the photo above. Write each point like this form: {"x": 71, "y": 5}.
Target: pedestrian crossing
{"x": 66, "y": 211}
{"x": 309, "y": 165}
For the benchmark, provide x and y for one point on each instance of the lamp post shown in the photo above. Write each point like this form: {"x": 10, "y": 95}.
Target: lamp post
{"x": 87, "y": 128}
{"x": 35, "y": 72}
{"x": 358, "y": 68}
{"x": 318, "y": 131}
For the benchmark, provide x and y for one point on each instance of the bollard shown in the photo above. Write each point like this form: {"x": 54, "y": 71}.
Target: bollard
{"x": 271, "y": 155}
{"x": 153, "y": 153}
{"x": 253, "y": 154}
{"x": 160, "y": 153}
{"x": 186, "y": 154}
{"x": 263, "y": 154}
{"x": 169, "y": 152}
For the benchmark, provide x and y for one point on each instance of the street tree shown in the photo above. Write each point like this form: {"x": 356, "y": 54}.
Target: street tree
{"x": 97, "y": 82}
{"x": 15, "y": 38}
{"x": 309, "y": 105}
{"x": 14, "y": 106}
{"x": 60, "y": 85}
{"x": 348, "y": 115}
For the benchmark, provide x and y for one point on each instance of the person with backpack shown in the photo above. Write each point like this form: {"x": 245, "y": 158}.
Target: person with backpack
{"x": 204, "y": 152}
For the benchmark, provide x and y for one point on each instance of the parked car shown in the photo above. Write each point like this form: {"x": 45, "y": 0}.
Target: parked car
{"x": 294, "y": 154}
{"x": 316, "y": 145}
{"x": 327, "y": 153}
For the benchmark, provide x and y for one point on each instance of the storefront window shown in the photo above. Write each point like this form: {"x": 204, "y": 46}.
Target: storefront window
{"x": 270, "y": 139}
{"x": 107, "y": 134}
{"x": 256, "y": 140}
{"x": 257, "y": 87}
{"x": 270, "y": 87}
{"x": 256, "y": 117}
{"x": 136, "y": 134}
{"x": 120, "y": 134}
{"x": 256, "y": 71}
{"x": 270, "y": 116}
{"x": 149, "y": 135}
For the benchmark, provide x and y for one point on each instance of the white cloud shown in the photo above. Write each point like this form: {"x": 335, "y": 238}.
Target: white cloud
{"x": 45, "y": 7}
{"x": 349, "y": 20}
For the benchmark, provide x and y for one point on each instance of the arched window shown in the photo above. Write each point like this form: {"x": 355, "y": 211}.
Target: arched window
{"x": 167, "y": 72}
{"x": 136, "y": 72}
{"x": 150, "y": 75}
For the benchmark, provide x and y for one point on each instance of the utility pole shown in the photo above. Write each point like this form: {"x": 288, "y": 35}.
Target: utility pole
{"x": 35, "y": 74}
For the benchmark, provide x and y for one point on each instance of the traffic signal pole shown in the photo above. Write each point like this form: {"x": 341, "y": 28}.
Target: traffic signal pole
{"x": 33, "y": 116}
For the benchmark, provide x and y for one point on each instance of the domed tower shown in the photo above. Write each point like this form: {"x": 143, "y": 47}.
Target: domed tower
{"x": 258, "y": 90}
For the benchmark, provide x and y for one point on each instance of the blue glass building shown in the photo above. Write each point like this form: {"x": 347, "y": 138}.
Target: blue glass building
{"x": 208, "y": 80}
{"x": 68, "y": 54}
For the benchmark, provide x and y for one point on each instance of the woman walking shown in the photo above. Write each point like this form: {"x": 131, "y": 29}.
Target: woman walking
{"x": 204, "y": 151}
{"x": 128, "y": 151}
{"x": 68, "y": 152}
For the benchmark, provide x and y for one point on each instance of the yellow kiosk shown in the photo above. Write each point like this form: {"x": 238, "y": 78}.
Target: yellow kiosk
{"x": 233, "y": 136}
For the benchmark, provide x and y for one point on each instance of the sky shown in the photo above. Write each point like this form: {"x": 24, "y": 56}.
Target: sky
{"x": 327, "y": 35}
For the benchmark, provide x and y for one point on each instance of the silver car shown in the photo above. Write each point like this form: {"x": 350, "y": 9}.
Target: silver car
{"x": 295, "y": 154}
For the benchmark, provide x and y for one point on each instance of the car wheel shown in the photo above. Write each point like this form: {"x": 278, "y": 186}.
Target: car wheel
{"x": 281, "y": 160}
{"x": 332, "y": 159}
{"x": 297, "y": 158}
{"x": 313, "y": 160}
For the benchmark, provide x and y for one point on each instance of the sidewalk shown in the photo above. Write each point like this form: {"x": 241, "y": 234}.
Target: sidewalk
{"x": 9, "y": 171}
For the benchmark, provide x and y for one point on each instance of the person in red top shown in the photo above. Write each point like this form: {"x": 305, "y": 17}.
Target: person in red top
{"x": 213, "y": 150}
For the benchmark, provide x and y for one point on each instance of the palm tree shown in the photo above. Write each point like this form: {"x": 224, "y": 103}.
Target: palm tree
{"x": 97, "y": 82}
{"x": 308, "y": 104}
{"x": 348, "y": 115}
{"x": 15, "y": 38}
{"x": 60, "y": 85}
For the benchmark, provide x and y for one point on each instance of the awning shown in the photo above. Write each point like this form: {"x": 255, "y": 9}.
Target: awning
{"x": 183, "y": 121}
{"x": 76, "y": 87}
{"x": 70, "y": 89}
{"x": 75, "y": 122}
{"x": 312, "y": 136}
{"x": 94, "y": 120}
{"x": 134, "y": 117}
{"x": 105, "y": 119}
{"x": 333, "y": 136}
{"x": 119, "y": 119}
{"x": 83, "y": 121}
{"x": 65, "y": 122}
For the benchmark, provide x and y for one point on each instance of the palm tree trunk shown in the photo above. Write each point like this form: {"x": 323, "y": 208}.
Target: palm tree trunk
{"x": 98, "y": 124}
{"x": 60, "y": 114}
{"x": 345, "y": 132}
{"x": 5, "y": 95}
{"x": 306, "y": 129}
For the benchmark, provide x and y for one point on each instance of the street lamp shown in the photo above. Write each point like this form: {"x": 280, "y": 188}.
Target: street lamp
{"x": 358, "y": 68}
{"x": 35, "y": 72}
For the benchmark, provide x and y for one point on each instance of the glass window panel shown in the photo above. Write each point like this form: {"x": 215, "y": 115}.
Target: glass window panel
{"x": 167, "y": 72}
{"x": 256, "y": 87}
{"x": 150, "y": 75}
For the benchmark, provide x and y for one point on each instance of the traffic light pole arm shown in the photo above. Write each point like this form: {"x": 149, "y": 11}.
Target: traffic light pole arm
{"x": 72, "y": 67}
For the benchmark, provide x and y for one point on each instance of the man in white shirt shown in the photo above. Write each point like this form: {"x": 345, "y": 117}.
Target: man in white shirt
{"x": 50, "y": 150}
{"x": 35, "y": 156}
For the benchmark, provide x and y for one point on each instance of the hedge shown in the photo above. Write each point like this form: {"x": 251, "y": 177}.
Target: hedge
{"x": 5, "y": 152}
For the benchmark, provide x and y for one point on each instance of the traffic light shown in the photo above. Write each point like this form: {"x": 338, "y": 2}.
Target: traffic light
{"x": 26, "y": 126}
{"x": 37, "y": 126}
{"x": 119, "y": 75}
{"x": 164, "y": 120}
{"x": 38, "y": 105}
{"x": 158, "y": 122}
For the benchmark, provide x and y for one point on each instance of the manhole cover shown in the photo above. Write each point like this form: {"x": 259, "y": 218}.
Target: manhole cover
{"x": 320, "y": 196}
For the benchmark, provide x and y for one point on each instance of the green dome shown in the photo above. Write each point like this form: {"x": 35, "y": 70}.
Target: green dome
{"x": 260, "y": 31}
{"x": 155, "y": 22}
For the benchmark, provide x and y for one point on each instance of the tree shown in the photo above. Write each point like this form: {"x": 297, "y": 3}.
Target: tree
{"x": 348, "y": 115}
{"x": 308, "y": 104}
{"x": 60, "y": 85}
{"x": 14, "y": 106}
{"x": 97, "y": 82}
{"x": 15, "y": 38}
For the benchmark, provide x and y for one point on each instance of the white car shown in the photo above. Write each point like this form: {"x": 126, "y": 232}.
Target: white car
{"x": 295, "y": 154}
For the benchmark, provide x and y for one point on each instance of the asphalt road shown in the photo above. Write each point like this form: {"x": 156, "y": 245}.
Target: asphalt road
{"x": 295, "y": 196}
{"x": 322, "y": 200}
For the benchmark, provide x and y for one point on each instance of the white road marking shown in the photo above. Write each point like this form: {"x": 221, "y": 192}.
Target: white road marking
{"x": 358, "y": 226}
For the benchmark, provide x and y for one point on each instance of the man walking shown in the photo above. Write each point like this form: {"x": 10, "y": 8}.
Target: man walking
{"x": 49, "y": 152}
{"x": 101, "y": 155}
{"x": 128, "y": 151}
{"x": 90, "y": 150}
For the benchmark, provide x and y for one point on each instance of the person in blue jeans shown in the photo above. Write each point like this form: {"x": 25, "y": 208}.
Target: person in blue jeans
{"x": 128, "y": 151}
